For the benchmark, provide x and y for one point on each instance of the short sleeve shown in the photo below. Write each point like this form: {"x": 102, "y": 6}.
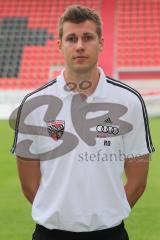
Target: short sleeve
{"x": 138, "y": 141}
{"x": 25, "y": 135}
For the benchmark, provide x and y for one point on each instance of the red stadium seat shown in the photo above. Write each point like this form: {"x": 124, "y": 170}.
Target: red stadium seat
{"x": 138, "y": 33}
{"x": 37, "y": 48}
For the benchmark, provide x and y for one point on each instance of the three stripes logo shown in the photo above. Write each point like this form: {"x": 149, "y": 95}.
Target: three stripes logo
{"x": 108, "y": 120}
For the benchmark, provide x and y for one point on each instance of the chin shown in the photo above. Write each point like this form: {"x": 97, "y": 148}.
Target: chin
{"x": 82, "y": 69}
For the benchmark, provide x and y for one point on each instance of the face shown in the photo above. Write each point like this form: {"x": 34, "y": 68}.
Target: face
{"x": 80, "y": 46}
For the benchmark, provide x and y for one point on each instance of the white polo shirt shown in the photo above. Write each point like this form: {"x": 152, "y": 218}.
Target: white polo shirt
{"x": 81, "y": 186}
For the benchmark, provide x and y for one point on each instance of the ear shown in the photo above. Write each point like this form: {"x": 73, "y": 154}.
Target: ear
{"x": 101, "y": 43}
{"x": 59, "y": 43}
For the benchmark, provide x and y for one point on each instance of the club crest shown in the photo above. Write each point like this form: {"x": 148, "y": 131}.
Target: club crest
{"x": 56, "y": 129}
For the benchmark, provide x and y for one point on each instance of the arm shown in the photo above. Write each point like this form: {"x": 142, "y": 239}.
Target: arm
{"x": 136, "y": 170}
{"x": 29, "y": 174}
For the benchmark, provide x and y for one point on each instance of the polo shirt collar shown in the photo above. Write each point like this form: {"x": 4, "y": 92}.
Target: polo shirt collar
{"x": 100, "y": 91}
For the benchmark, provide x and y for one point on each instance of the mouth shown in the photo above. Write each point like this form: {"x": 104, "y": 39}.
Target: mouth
{"x": 80, "y": 57}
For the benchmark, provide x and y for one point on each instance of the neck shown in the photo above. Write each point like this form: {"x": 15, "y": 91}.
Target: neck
{"x": 87, "y": 80}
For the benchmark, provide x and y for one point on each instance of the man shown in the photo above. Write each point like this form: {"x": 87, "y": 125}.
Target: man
{"x": 74, "y": 138}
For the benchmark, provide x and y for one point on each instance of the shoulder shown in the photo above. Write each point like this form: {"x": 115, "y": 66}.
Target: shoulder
{"x": 31, "y": 99}
{"x": 44, "y": 89}
{"x": 125, "y": 92}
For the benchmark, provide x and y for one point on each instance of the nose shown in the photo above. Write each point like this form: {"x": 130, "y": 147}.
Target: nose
{"x": 79, "y": 45}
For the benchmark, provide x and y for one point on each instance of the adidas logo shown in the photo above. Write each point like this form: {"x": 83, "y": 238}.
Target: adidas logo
{"x": 108, "y": 120}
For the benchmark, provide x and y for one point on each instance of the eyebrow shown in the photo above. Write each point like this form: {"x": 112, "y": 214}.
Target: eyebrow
{"x": 84, "y": 34}
{"x": 88, "y": 33}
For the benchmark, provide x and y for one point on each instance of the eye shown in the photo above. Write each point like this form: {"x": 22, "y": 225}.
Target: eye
{"x": 71, "y": 39}
{"x": 88, "y": 38}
